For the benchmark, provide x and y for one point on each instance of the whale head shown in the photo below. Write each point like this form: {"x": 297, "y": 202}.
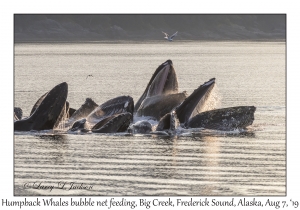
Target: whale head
{"x": 193, "y": 104}
{"x": 163, "y": 81}
{"x": 47, "y": 112}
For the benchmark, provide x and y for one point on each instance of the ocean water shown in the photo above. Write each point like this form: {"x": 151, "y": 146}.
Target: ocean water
{"x": 192, "y": 163}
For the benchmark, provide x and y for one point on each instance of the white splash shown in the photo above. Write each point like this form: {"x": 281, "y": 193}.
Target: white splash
{"x": 213, "y": 101}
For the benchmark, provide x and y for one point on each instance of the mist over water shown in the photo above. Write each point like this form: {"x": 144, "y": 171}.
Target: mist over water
{"x": 195, "y": 162}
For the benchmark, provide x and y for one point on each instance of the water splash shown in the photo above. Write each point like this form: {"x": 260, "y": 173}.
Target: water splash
{"x": 61, "y": 125}
{"x": 213, "y": 101}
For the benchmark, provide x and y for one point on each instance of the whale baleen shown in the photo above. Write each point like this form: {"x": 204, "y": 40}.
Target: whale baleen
{"x": 163, "y": 82}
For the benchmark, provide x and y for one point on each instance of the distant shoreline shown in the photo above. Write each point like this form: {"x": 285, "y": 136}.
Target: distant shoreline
{"x": 142, "y": 41}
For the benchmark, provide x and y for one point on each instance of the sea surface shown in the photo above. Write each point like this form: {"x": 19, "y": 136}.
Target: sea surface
{"x": 196, "y": 162}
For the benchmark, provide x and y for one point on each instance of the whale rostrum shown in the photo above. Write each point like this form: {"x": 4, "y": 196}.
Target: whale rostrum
{"x": 48, "y": 111}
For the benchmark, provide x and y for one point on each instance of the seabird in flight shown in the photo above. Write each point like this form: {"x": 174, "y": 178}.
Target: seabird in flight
{"x": 169, "y": 38}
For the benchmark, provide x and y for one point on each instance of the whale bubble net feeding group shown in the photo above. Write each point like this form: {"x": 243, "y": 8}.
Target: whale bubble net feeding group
{"x": 160, "y": 109}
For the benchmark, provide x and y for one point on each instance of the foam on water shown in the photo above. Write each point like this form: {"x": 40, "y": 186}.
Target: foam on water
{"x": 150, "y": 119}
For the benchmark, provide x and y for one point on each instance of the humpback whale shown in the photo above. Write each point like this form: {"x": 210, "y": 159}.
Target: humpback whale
{"x": 160, "y": 102}
{"x": 158, "y": 106}
{"x": 37, "y": 103}
{"x": 161, "y": 94}
{"x": 140, "y": 127}
{"x": 163, "y": 82}
{"x": 86, "y": 108}
{"x": 47, "y": 112}
{"x": 115, "y": 123}
{"x": 164, "y": 123}
{"x": 169, "y": 122}
{"x": 190, "y": 113}
{"x": 104, "y": 118}
{"x": 226, "y": 119}
{"x": 194, "y": 103}
{"x": 79, "y": 125}
{"x": 113, "y": 106}
{"x": 67, "y": 113}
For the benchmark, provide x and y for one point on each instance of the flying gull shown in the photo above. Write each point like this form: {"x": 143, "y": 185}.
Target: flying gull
{"x": 169, "y": 38}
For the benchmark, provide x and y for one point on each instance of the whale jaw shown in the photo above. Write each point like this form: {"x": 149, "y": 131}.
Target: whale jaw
{"x": 48, "y": 112}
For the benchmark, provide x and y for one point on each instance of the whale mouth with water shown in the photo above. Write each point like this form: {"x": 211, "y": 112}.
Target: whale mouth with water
{"x": 161, "y": 110}
{"x": 163, "y": 82}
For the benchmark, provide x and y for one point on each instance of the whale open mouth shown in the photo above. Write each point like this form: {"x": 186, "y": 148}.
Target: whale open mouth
{"x": 111, "y": 107}
{"x": 158, "y": 84}
{"x": 112, "y": 124}
{"x": 163, "y": 81}
{"x": 195, "y": 102}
